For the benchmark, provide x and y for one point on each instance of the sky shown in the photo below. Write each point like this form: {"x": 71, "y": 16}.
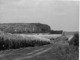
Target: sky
{"x": 58, "y": 14}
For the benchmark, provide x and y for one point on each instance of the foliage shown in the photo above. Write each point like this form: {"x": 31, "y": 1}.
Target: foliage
{"x": 24, "y": 28}
{"x": 12, "y": 41}
{"x": 56, "y": 32}
{"x": 75, "y": 40}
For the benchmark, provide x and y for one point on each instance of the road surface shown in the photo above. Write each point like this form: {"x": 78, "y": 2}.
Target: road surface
{"x": 24, "y": 53}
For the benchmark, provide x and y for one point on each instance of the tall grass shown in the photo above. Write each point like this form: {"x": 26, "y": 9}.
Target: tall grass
{"x": 12, "y": 41}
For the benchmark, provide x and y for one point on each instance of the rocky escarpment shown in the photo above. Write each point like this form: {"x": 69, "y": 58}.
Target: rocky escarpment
{"x": 24, "y": 28}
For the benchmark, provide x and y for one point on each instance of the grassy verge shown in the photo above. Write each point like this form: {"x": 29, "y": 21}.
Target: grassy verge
{"x": 59, "y": 53}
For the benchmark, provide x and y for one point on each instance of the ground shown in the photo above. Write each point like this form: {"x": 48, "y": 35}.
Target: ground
{"x": 57, "y": 50}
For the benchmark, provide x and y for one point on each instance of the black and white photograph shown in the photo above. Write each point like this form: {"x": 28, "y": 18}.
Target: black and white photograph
{"x": 39, "y": 29}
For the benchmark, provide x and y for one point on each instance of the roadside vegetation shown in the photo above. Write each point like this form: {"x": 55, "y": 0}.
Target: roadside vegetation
{"x": 61, "y": 48}
{"x": 75, "y": 40}
{"x": 61, "y": 51}
{"x": 13, "y": 41}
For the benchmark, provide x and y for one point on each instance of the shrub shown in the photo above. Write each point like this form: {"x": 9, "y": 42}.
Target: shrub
{"x": 75, "y": 40}
{"x": 56, "y": 32}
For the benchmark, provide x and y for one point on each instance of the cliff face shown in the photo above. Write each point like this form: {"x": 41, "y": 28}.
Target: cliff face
{"x": 24, "y": 28}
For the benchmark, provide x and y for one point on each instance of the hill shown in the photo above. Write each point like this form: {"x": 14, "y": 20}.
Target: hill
{"x": 24, "y": 28}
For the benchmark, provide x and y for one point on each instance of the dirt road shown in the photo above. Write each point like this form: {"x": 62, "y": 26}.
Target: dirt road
{"x": 33, "y": 54}
{"x": 25, "y": 53}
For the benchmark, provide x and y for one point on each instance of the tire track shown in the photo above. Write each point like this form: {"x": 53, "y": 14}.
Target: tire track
{"x": 33, "y": 55}
{"x": 21, "y": 53}
{"x": 13, "y": 51}
{"x": 4, "y": 54}
{"x": 35, "y": 51}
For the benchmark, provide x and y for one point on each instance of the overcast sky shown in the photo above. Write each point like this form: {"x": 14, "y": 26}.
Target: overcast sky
{"x": 60, "y": 15}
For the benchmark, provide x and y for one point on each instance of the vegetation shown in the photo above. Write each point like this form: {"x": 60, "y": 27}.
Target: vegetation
{"x": 75, "y": 40}
{"x": 24, "y": 28}
{"x": 56, "y": 32}
{"x": 60, "y": 50}
{"x": 59, "y": 53}
{"x": 12, "y": 41}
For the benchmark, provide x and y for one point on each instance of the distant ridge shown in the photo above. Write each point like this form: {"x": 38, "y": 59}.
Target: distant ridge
{"x": 25, "y": 27}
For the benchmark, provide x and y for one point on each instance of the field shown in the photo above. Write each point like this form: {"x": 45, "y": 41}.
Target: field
{"x": 57, "y": 48}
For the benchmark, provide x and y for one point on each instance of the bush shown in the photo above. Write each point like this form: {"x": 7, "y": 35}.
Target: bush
{"x": 56, "y": 32}
{"x": 75, "y": 40}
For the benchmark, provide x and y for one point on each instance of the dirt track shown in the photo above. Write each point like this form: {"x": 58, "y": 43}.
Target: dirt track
{"x": 34, "y": 54}
{"x": 21, "y": 55}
